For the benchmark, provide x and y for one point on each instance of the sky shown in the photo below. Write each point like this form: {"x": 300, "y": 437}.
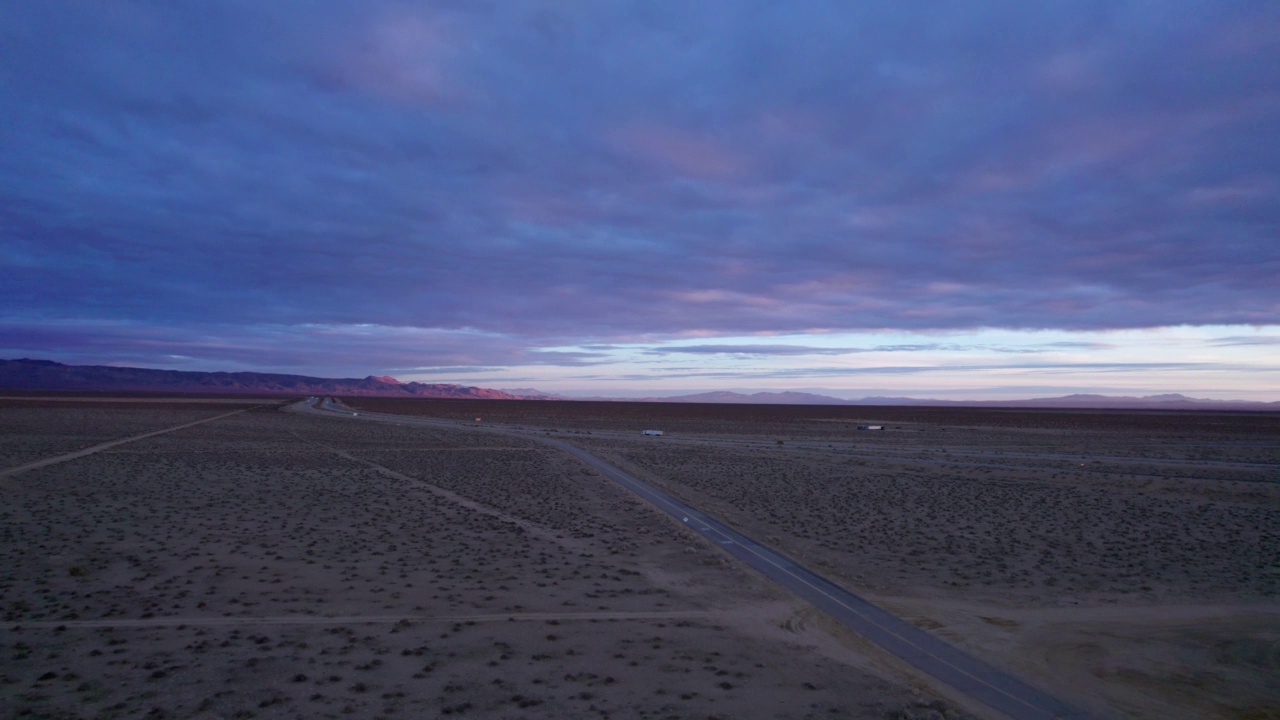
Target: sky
{"x": 970, "y": 199}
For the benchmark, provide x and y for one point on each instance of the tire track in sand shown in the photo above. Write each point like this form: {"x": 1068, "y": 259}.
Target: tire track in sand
{"x": 10, "y": 472}
{"x": 364, "y": 619}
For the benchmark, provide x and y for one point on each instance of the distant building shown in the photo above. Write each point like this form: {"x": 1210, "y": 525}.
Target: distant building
{"x": 652, "y": 432}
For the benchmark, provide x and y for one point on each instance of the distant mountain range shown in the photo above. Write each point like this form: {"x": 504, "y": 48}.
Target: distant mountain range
{"x": 1083, "y": 401}
{"x": 533, "y": 394}
{"x": 760, "y": 398}
{"x": 48, "y": 375}
{"x": 1172, "y": 401}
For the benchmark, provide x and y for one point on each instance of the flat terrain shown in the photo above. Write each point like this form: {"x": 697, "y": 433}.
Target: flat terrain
{"x": 31, "y": 430}
{"x": 267, "y": 564}
{"x": 1128, "y": 561}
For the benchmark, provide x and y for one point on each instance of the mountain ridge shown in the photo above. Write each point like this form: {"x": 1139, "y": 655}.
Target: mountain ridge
{"x": 27, "y": 375}
{"x": 1166, "y": 401}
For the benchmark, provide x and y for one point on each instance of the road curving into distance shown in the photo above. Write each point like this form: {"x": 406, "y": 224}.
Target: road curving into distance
{"x": 930, "y": 654}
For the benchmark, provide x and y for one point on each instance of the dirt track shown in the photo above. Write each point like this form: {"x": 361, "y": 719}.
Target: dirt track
{"x": 229, "y": 569}
{"x": 1109, "y": 555}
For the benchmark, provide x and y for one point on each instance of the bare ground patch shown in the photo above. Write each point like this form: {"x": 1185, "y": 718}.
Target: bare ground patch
{"x": 188, "y": 540}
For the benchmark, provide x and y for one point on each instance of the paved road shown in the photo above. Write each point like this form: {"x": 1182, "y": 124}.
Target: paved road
{"x": 1059, "y": 462}
{"x": 941, "y": 660}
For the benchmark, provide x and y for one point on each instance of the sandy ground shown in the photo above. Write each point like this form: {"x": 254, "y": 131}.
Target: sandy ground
{"x": 1135, "y": 572}
{"x": 273, "y": 565}
{"x": 32, "y": 430}
{"x": 1127, "y": 561}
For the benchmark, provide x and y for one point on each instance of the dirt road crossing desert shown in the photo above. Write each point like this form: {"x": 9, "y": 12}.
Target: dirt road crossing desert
{"x": 10, "y": 472}
{"x": 1127, "y": 560}
{"x": 941, "y": 661}
{"x": 366, "y": 619}
{"x": 229, "y": 570}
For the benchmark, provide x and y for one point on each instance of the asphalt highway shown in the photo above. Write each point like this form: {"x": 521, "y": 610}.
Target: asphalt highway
{"x": 941, "y": 660}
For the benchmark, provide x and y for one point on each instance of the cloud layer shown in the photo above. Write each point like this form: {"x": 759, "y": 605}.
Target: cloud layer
{"x": 567, "y": 173}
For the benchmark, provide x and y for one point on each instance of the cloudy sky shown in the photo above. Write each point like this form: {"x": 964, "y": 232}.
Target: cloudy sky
{"x": 945, "y": 199}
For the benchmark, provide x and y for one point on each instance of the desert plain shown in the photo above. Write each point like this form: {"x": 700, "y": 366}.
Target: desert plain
{"x": 257, "y": 562}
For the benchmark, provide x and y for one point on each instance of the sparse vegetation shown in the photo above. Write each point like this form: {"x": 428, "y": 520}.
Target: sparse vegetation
{"x": 458, "y": 538}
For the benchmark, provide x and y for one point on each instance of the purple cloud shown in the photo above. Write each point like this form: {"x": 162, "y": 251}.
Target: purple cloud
{"x": 341, "y": 350}
{"x": 604, "y": 172}
{"x": 748, "y": 374}
{"x": 1245, "y": 340}
{"x": 751, "y": 350}
{"x": 785, "y": 350}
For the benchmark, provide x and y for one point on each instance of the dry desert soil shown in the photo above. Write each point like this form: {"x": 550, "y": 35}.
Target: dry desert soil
{"x": 269, "y": 564}
{"x": 1128, "y": 562}
{"x": 256, "y": 563}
